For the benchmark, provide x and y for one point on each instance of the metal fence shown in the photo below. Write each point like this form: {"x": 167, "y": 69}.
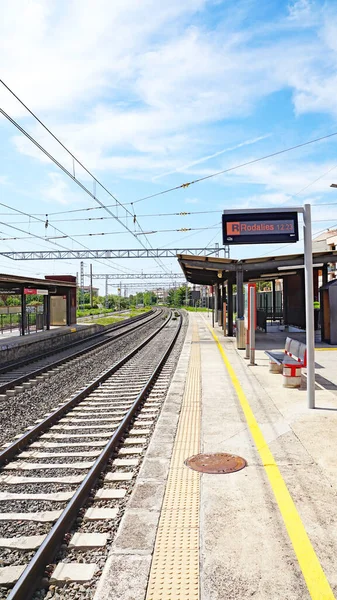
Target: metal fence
{"x": 264, "y": 302}
{"x": 33, "y": 322}
{"x": 9, "y": 322}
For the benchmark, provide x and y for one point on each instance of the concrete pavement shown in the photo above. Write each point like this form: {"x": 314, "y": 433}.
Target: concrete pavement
{"x": 267, "y": 532}
{"x": 245, "y": 549}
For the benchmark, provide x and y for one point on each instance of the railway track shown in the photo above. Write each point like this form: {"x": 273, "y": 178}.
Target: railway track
{"x": 64, "y": 475}
{"x": 16, "y": 377}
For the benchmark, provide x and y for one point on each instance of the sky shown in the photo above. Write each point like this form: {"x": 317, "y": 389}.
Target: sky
{"x": 148, "y": 96}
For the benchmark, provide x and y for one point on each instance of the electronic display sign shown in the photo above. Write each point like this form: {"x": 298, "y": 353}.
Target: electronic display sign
{"x": 259, "y": 227}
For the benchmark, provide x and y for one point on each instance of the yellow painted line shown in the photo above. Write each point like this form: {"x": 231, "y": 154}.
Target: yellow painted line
{"x": 325, "y": 349}
{"x": 312, "y": 570}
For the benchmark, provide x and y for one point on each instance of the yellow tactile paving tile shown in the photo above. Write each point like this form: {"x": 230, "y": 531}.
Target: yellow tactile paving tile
{"x": 174, "y": 571}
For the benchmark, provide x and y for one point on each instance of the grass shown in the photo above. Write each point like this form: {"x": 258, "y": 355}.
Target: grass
{"x": 196, "y": 309}
{"x": 94, "y": 311}
{"x": 133, "y": 313}
{"x": 109, "y": 320}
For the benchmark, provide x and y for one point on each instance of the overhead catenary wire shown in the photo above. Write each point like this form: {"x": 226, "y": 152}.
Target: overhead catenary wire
{"x": 74, "y": 210}
{"x": 72, "y": 176}
{"x": 212, "y": 239}
{"x": 48, "y": 238}
{"x": 189, "y": 235}
{"x": 55, "y": 161}
{"x": 181, "y": 213}
{"x": 29, "y": 242}
{"x": 313, "y": 206}
{"x": 299, "y": 240}
{"x": 121, "y": 232}
{"x": 178, "y": 214}
{"x": 184, "y": 185}
{"x": 87, "y": 219}
{"x": 234, "y": 168}
{"x": 44, "y": 237}
{"x": 215, "y": 174}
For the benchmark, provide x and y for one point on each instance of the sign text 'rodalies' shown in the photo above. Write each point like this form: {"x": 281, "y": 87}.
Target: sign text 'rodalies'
{"x": 259, "y": 228}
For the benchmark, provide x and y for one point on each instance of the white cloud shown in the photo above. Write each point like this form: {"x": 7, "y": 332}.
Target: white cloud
{"x": 214, "y": 155}
{"x": 288, "y": 176}
{"x": 58, "y": 191}
{"x": 56, "y": 54}
{"x": 140, "y": 82}
{"x": 3, "y": 180}
{"x": 302, "y": 11}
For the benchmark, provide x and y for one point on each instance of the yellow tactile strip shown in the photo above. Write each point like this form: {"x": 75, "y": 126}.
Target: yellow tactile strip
{"x": 175, "y": 565}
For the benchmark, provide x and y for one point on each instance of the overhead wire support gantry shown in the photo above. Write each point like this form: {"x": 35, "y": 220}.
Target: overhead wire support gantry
{"x": 119, "y": 276}
{"x": 127, "y": 253}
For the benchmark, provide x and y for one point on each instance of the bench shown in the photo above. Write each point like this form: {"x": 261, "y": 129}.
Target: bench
{"x": 289, "y": 362}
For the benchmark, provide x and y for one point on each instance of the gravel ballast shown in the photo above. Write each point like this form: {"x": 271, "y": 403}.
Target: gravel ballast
{"x": 20, "y": 411}
{"x": 64, "y": 386}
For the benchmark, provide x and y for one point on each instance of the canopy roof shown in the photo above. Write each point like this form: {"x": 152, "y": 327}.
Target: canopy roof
{"x": 208, "y": 270}
{"x": 12, "y": 281}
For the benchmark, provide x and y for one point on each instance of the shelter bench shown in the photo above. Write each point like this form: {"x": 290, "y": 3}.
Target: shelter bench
{"x": 289, "y": 362}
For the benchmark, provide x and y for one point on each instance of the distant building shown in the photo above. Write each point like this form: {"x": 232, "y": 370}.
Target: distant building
{"x": 327, "y": 241}
{"x": 161, "y": 294}
{"x": 86, "y": 289}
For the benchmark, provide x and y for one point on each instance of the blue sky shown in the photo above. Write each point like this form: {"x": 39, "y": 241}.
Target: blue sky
{"x": 151, "y": 95}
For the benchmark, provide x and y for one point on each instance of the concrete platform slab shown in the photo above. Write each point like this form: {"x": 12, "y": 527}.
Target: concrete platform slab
{"x": 16, "y": 347}
{"x": 147, "y": 494}
{"x": 154, "y": 469}
{"x": 268, "y": 531}
{"x": 123, "y": 580}
{"x": 137, "y": 532}
{"x": 254, "y": 533}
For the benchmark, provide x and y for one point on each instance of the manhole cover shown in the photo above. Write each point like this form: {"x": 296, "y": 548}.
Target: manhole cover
{"x": 216, "y": 463}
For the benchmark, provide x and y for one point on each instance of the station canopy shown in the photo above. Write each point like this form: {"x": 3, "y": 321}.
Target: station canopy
{"x": 209, "y": 270}
{"x": 16, "y": 284}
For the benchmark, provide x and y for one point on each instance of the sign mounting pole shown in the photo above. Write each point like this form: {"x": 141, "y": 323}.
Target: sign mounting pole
{"x": 270, "y": 225}
{"x": 252, "y": 323}
{"x": 309, "y": 306}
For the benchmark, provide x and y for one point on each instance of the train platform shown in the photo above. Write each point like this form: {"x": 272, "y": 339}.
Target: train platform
{"x": 14, "y": 346}
{"x": 267, "y": 531}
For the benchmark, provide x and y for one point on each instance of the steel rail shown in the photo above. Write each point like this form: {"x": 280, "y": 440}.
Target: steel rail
{"x": 14, "y": 382}
{"x": 31, "y": 435}
{"x": 30, "y": 579}
{"x": 108, "y": 328}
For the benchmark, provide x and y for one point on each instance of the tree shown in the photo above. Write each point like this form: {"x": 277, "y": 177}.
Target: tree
{"x": 149, "y": 298}
{"x": 263, "y": 286}
{"x": 139, "y": 298}
{"x": 176, "y": 296}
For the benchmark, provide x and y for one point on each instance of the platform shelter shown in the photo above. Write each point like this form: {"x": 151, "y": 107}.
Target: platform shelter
{"x": 223, "y": 273}
{"x": 58, "y": 299}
